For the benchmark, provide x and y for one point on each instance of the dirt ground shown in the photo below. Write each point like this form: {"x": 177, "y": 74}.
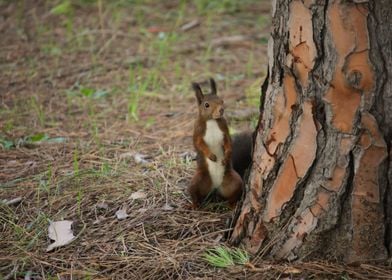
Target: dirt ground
{"x": 96, "y": 115}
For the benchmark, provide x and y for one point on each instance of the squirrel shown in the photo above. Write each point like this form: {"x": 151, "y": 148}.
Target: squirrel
{"x": 213, "y": 145}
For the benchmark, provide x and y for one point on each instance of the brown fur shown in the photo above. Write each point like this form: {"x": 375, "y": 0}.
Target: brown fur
{"x": 201, "y": 184}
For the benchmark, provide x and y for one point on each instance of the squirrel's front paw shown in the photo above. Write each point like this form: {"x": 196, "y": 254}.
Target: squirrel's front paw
{"x": 212, "y": 157}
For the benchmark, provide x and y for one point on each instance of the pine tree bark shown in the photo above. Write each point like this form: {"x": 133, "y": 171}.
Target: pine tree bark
{"x": 321, "y": 178}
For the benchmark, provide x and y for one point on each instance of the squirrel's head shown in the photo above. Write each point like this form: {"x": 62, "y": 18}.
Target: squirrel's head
{"x": 210, "y": 105}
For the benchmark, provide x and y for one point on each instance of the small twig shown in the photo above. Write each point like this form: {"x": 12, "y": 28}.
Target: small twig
{"x": 190, "y": 25}
{"x": 13, "y": 201}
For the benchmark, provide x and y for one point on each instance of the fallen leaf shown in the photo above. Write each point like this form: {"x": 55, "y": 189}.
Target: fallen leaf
{"x": 167, "y": 207}
{"x": 102, "y": 205}
{"x": 138, "y": 195}
{"x": 140, "y": 158}
{"x": 61, "y": 233}
{"x": 121, "y": 214}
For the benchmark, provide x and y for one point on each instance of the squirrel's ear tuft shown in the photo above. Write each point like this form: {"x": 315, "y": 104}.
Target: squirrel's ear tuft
{"x": 199, "y": 94}
{"x": 213, "y": 86}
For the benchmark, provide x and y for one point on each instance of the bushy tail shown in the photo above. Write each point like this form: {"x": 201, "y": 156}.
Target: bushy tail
{"x": 241, "y": 157}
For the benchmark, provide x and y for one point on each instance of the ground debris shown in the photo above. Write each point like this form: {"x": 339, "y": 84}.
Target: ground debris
{"x": 61, "y": 233}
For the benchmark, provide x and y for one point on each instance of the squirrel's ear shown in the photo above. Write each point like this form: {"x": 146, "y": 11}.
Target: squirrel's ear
{"x": 199, "y": 94}
{"x": 213, "y": 86}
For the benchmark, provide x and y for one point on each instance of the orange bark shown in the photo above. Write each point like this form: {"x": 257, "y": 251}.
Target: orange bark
{"x": 302, "y": 48}
{"x": 301, "y": 155}
{"x": 353, "y": 71}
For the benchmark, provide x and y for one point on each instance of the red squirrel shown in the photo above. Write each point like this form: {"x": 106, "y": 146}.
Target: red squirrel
{"x": 212, "y": 142}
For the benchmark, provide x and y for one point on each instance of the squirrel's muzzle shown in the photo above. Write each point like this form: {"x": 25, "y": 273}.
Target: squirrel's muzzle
{"x": 218, "y": 112}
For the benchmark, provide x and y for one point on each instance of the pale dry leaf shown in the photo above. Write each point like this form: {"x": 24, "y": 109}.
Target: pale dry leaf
{"x": 138, "y": 195}
{"x": 102, "y": 205}
{"x": 61, "y": 233}
{"x": 167, "y": 207}
{"x": 121, "y": 214}
{"x": 140, "y": 158}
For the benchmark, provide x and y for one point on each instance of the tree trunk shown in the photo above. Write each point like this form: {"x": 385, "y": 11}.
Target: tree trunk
{"x": 321, "y": 178}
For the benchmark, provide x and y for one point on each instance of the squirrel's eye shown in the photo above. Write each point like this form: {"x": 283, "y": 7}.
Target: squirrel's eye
{"x": 206, "y": 105}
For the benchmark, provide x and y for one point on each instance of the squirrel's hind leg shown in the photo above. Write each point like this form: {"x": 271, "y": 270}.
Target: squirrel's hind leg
{"x": 199, "y": 189}
{"x": 232, "y": 187}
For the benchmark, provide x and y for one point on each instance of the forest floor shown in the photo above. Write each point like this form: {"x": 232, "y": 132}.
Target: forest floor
{"x": 96, "y": 116}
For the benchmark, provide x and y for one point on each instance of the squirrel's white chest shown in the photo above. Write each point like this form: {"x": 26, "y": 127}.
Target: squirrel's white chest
{"x": 214, "y": 139}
